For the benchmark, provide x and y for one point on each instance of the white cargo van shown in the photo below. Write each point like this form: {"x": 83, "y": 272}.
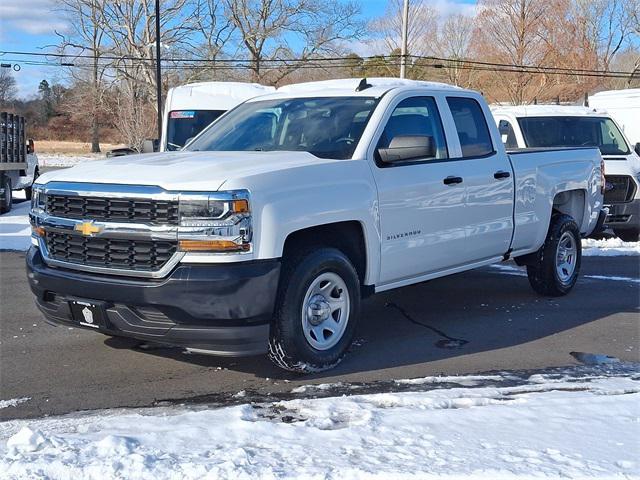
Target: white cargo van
{"x": 190, "y": 108}
{"x": 624, "y": 107}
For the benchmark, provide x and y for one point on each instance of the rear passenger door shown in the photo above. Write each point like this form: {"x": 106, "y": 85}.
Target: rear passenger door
{"x": 488, "y": 178}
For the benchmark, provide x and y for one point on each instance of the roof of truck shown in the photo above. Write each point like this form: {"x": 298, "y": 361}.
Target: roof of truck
{"x": 347, "y": 87}
{"x": 214, "y": 95}
{"x": 547, "y": 111}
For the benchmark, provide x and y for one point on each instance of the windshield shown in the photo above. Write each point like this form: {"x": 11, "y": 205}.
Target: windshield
{"x": 186, "y": 124}
{"x": 325, "y": 127}
{"x": 601, "y": 132}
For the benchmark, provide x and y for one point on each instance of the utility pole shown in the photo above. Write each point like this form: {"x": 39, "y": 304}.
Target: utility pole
{"x": 403, "y": 48}
{"x": 158, "y": 71}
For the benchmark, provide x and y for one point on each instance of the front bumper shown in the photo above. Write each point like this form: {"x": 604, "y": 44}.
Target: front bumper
{"x": 624, "y": 215}
{"x": 223, "y": 308}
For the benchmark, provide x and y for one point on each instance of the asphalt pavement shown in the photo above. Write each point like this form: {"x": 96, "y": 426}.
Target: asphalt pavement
{"x": 484, "y": 320}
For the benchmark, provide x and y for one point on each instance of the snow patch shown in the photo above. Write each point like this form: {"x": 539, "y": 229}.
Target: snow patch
{"x": 60, "y": 160}
{"x": 556, "y": 426}
{"x": 13, "y": 402}
{"x": 15, "y": 230}
{"x": 609, "y": 248}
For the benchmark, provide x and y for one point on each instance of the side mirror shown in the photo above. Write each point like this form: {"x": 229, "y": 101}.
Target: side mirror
{"x": 31, "y": 148}
{"x": 637, "y": 148}
{"x": 408, "y": 147}
{"x": 148, "y": 146}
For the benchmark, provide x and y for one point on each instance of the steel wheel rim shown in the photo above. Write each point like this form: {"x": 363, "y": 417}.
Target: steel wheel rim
{"x": 566, "y": 257}
{"x": 325, "y": 311}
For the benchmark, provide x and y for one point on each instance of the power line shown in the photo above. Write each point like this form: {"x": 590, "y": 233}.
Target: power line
{"x": 285, "y": 61}
{"x": 334, "y": 62}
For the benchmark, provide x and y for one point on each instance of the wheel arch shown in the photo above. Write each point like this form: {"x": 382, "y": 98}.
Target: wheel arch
{"x": 574, "y": 204}
{"x": 347, "y": 236}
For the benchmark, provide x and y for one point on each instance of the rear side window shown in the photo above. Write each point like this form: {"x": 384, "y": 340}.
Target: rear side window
{"x": 471, "y": 125}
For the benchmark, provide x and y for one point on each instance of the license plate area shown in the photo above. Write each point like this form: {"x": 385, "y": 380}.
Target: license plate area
{"x": 88, "y": 313}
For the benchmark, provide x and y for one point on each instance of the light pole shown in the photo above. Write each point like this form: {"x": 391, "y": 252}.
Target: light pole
{"x": 403, "y": 47}
{"x": 158, "y": 71}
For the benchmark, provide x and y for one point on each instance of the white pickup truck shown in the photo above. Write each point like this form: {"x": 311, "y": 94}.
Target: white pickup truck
{"x": 268, "y": 229}
{"x": 554, "y": 126}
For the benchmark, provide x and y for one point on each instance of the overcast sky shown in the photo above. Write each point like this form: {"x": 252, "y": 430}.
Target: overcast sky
{"x": 30, "y": 25}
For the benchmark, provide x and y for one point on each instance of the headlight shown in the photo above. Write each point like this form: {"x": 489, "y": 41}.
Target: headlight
{"x": 215, "y": 222}
{"x": 37, "y": 198}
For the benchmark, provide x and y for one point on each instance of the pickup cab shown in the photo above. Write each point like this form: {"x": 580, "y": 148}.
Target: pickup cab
{"x": 554, "y": 126}
{"x": 268, "y": 229}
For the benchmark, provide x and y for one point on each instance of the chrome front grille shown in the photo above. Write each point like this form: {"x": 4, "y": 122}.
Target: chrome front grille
{"x": 127, "y": 230}
{"x": 619, "y": 189}
{"x": 135, "y": 255}
{"x": 160, "y": 212}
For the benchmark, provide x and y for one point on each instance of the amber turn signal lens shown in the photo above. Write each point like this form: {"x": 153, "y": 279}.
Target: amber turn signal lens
{"x": 240, "y": 206}
{"x": 39, "y": 231}
{"x": 211, "y": 246}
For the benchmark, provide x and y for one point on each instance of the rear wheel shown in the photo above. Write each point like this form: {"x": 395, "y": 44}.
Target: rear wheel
{"x": 7, "y": 197}
{"x": 317, "y": 309}
{"x": 627, "y": 235}
{"x": 557, "y": 264}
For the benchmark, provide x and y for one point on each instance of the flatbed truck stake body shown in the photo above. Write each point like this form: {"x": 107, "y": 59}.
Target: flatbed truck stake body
{"x": 265, "y": 232}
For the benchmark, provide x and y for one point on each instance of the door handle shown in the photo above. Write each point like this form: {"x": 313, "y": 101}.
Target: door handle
{"x": 501, "y": 174}
{"x": 452, "y": 180}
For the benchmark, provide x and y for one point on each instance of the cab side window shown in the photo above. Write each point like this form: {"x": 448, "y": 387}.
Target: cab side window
{"x": 472, "y": 127}
{"x": 416, "y": 116}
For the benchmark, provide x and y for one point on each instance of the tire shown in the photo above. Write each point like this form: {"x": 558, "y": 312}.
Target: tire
{"x": 304, "y": 342}
{"x": 28, "y": 192}
{"x": 7, "y": 199}
{"x": 627, "y": 235}
{"x": 547, "y": 275}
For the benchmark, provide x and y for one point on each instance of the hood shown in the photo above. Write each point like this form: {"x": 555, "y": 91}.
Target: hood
{"x": 622, "y": 164}
{"x": 189, "y": 171}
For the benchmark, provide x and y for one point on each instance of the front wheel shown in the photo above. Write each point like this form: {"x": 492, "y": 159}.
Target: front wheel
{"x": 316, "y": 313}
{"x": 627, "y": 235}
{"x": 557, "y": 265}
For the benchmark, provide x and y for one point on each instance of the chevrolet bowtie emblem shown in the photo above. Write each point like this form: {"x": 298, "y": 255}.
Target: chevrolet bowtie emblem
{"x": 87, "y": 228}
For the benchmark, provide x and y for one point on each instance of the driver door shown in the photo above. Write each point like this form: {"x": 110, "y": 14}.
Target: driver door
{"x": 421, "y": 204}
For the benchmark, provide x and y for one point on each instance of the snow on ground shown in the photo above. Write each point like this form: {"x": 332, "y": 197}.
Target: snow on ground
{"x": 15, "y": 231}
{"x": 609, "y": 248}
{"x": 61, "y": 160}
{"x": 548, "y": 427}
{"x": 13, "y": 402}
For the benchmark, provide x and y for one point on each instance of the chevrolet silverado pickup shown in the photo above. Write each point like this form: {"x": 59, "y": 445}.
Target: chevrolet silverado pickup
{"x": 265, "y": 232}
{"x": 553, "y": 126}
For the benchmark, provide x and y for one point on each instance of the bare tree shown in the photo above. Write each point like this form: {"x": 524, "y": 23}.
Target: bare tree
{"x": 8, "y": 88}
{"x": 511, "y": 31}
{"x": 269, "y": 30}
{"x": 130, "y": 27}
{"x": 211, "y": 32}
{"x": 606, "y": 25}
{"x": 86, "y": 34}
{"x": 454, "y": 42}
{"x": 133, "y": 115}
{"x": 421, "y": 31}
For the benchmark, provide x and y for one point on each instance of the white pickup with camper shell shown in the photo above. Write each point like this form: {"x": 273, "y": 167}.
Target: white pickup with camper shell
{"x": 268, "y": 229}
